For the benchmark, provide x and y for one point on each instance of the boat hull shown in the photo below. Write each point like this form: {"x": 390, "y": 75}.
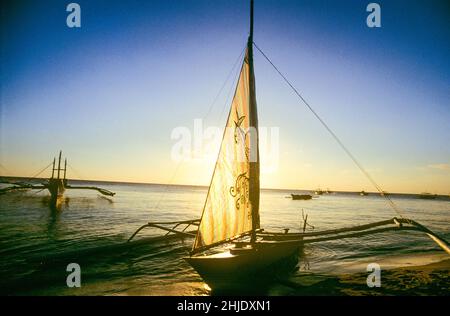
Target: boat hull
{"x": 56, "y": 188}
{"x": 427, "y": 196}
{"x": 238, "y": 265}
{"x": 301, "y": 196}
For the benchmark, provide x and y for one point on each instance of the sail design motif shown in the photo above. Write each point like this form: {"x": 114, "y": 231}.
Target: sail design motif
{"x": 232, "y": 203}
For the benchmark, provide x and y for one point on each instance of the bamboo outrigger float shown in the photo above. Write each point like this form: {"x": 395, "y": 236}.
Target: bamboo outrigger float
{"x": 394, "y": 224}
{"x": 245, "y": 260}
{"x": 56, "y": 185}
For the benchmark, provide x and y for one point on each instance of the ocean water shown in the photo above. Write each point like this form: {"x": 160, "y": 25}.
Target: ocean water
{"x": 37, "y": 243}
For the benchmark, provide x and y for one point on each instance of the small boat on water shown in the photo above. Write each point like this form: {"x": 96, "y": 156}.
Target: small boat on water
{"x": 301, "y": 196}
{"x": 318, "y": 192}
{"x": 427, "y": 196}
{"x": 56, "y": 185}
{"x": 363, "y": 193}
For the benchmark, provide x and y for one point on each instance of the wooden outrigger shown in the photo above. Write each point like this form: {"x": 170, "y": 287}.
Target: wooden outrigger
{"x": 219, "y": 269}
{"x": 393, "y": 224}
{"x": 56, "y": 185}
{"x": 173, "y": 229}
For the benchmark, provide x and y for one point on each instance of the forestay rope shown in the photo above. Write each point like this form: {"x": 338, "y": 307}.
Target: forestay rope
{"x": 336, "y": 138}
{"x": 77, "y": 173}
{"x": 41, "y": 171}
{"x": 211, "y": 106}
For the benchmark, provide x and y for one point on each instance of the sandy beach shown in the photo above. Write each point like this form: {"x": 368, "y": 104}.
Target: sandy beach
{"x": 431, "y": 279}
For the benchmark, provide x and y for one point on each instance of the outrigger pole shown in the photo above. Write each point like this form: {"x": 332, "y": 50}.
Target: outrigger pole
{"x": 53, "y": 169}
{"x": 172, "y": 230}
{"x": 59, "y": 162}
{"x": 65, "y": 168}
{"x": 394, "y": 224}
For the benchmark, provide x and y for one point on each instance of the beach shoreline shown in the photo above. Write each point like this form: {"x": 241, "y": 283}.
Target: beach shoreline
{"x": 431, "y": 279}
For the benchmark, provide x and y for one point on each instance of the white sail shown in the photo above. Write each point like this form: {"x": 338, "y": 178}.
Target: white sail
{"x": 232, "y": 203}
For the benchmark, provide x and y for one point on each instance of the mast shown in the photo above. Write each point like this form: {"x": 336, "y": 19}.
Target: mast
{"x": 53, "y": 169}
{"x": 65, "y": 168}
{"x": 59, "y": 163}
{"x": 250, "y": 38}
{"x": 254, "y": 165}
{"x": 231, "y": 207}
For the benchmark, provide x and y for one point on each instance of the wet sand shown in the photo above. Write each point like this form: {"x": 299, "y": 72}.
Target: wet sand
{"x": 431, "y": 279}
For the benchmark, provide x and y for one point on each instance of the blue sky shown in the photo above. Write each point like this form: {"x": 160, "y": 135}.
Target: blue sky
{"x": 110, "y": 93}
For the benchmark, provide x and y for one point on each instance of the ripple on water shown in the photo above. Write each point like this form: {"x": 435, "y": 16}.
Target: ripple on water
{"x": 38, "y": 243}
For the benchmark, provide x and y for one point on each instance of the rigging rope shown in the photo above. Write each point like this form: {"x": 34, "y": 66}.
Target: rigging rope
{"x": 45, "y": 168}
{"x": 80, "y": 177}
{"x": 166, "y": 187}
{"x": 223, "y": 85}
{"x": 233, "y": 84}
{"x": 388, "y": 199}
{"x": 4, "y": 168}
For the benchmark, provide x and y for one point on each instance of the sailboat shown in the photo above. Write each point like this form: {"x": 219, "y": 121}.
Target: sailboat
{"x": 56, "y": 185}
{"x": 231, "y": 209}
{"x": 230, "y": 246}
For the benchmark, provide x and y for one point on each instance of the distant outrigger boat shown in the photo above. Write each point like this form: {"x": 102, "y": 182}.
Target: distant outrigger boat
{"x": 318, "y": 192}
{"x": 55, "y": 185}
{"x": 230, "y": 247}
{"x": 301, "y": 196}
{"x": 427, "y": 196}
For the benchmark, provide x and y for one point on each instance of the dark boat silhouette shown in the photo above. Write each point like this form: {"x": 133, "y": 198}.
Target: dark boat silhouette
{"x": 318, "y": 192}
{"x": 301, "y": 196}
{"x": 427, "y": 196}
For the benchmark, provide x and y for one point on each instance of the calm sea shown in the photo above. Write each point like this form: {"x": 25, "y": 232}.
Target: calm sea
{"x": 37, "y": 244}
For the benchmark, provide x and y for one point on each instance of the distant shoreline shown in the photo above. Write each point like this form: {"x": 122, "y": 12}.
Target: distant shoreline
{"x": 370, "y": 194}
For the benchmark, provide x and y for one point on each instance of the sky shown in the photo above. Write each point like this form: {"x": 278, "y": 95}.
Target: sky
{"x": 111, "y": 93}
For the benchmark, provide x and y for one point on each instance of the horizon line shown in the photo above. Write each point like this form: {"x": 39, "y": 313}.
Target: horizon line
{"x": 205, "y": 186}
